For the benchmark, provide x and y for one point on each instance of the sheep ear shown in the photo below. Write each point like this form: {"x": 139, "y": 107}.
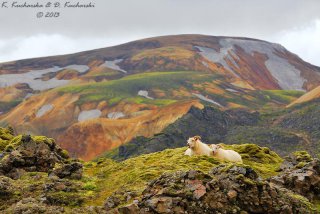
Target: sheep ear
{"x": 219, "y": 146}
{"x": 197, "y": 137}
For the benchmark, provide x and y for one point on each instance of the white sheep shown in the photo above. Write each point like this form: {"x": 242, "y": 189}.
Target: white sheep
{"x": 196, "y": 147}
{"x": 222, "y": 154}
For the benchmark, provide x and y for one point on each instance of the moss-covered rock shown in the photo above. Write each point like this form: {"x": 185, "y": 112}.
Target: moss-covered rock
{"x": 302, "y": 156}
{"x": 25, "y": 153}
{"x": 301, "y": 174}
{"x": 6, "y": 135}
{"x": 133, "y": 174}
{"x": 235, "y": 190}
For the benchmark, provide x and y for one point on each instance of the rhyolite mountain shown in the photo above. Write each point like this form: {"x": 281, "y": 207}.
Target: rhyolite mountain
{"x": 95, "y": 101}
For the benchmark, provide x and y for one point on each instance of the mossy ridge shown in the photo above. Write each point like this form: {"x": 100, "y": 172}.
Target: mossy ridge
{"x": 261, "y": 159}
{"x": 302, "y": 156}
{"x": 133, "y": 174}
{"x": 128, "y": 87}
{"x": 283, "y": 96}
{"x": 16, "y": 141}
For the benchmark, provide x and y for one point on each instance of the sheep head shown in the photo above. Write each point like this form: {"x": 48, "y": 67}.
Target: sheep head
{"x": 215, "y": 147}
{"x": 192, "y": 141}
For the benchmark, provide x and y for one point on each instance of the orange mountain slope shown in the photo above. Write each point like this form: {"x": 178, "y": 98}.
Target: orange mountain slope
{"x": 311, "y": 95}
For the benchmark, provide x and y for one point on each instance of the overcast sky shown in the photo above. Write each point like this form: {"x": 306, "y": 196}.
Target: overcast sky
{"x": 293, "y": 23}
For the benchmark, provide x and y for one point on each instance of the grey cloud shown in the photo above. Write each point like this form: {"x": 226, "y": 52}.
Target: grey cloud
{"x": 123, "y": 20}
{"x": 119, "y": 17}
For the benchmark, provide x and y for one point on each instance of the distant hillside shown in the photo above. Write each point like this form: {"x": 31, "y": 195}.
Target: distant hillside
{"x": 284, "y": 131}
{"x": 97, "y": 100}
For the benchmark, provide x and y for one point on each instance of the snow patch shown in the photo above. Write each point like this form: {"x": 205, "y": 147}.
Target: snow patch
{"x": 33, "y": 78}
{"x": 43, "y": 110}
{"x": 116, "y": 115}
{"x": 114, "y": 65}
{"x": 219, "y": 57}
{"x": 287, "y": 76}
{"x": 232, "y": 90}
{"x": 145, "y": 94}
{"x": 201, "y": 97}
{"x": 88, "y": 115}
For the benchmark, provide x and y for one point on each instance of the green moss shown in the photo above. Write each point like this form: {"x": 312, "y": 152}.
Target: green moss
{"x": 65, "y": 198}
{"x": 6, "y": 134}
{"x": 64, "y": 154}
{"x": 43, "y": 139}
{"x": 90, "y": 186}
{"x": 302, "y": 156}
{"x": 316, "y": 203}
{"x": 261, "y": 159}
{"x": 3, "y": 144}
{"x": 17, "y": 141}
{"x": 157, "y": 102}
{"x": 248, "y": 181}
{"x": 133, "y": 174}
{"x": 13, "y": 143}
{"x": 302, "y": 199}
{"x": 300, "y": 165}
{"x": 283, "y": 96}
{"x": 128, "y": 87}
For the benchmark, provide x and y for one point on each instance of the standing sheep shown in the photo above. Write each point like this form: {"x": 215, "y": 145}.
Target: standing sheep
{"x": 222, "y": 154}
{"x": 196, "y": 147}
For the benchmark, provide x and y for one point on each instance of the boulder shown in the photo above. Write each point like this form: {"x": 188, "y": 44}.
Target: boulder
{"x": 118, "y": 198}
{"x": 25, "y": 153}
{"x": 33, "y": 206}
{"x": 301, "y": 174}
{"x": 70, "y": 170}
{"x": 6, "y": 187}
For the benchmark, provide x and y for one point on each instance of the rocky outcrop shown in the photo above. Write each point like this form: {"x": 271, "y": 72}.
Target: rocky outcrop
{"x": 118, "y": 198}
{"x": 34, "y": 206}
{"x": 301, "y": 174}
{"x": 6, "y": 188}
{"x": 25, "y": 153}
{"x": 69, "y": 170}
{"x": 228, "y": 189}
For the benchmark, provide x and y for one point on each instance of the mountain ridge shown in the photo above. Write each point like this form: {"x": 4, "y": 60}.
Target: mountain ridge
{"x": 135, "y": 80}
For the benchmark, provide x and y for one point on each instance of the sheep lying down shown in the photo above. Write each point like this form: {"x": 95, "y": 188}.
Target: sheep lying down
{"x": 196, "y": 147}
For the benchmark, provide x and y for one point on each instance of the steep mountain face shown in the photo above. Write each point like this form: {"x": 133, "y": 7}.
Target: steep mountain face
{"x": 97, "y": 100}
